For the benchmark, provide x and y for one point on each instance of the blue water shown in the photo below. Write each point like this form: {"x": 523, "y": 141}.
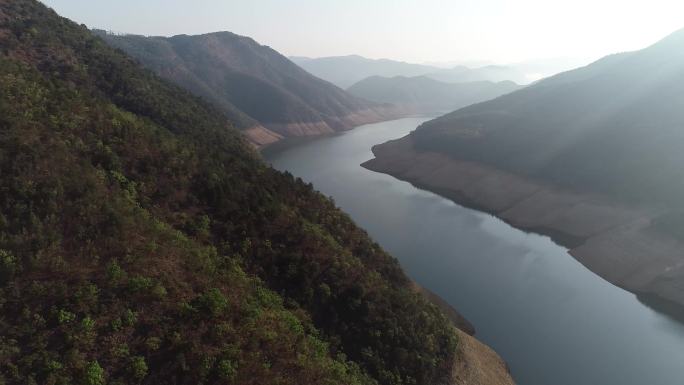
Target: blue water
{"x": 551, "y": 319}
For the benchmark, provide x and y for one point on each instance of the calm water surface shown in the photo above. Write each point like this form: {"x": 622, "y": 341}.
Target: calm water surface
{"x": 551, "y": 319}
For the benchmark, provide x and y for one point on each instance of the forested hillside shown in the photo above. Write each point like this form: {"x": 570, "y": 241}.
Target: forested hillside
{"x": 142, "y": 241}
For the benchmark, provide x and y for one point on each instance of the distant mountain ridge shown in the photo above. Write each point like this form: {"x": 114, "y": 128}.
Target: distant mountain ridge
{"x": 344, "y": 71}
{"x": 493, "y": 73}
{"x": 263, "y": 92}
{"x": 422, "y": 94}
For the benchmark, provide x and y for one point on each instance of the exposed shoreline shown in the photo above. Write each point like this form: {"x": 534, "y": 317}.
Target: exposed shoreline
{"x": 266, "y": 135}
{"x": 616, "y": 242}
{"x": 293, "y": 141}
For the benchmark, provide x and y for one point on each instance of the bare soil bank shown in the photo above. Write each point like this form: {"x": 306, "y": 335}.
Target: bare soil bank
{"x": 477, "y": 363}
{"x": 269, "y": 133}
{"x": 615, "y": 241}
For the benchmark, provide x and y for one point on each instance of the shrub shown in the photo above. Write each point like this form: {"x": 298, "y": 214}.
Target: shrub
{"x": 87, "y": 324}
{"x": 213, "y": 301}
{"x": 129, "y": 317}
{"x": 65, "y": 316}
{"x": 8, "y": 266}
{"x": 120, "y": 350}
{"x": 94, "y": 374}
{"x": 138, "y": 367}
{"x": 140, "y": 284}
{"x": 227, "y": 369}
{"x": 153, "y": 343}
{"x": 114, "y": 272}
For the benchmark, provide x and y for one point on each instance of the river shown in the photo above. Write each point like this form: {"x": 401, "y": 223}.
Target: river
{"x": 552, "y": 320}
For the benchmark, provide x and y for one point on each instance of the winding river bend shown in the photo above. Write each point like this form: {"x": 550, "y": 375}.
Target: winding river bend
{"x": 551, "y": 319}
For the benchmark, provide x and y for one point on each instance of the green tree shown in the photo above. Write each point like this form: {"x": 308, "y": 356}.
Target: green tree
{"x": 94, "y": 374}
{"x": 138, "y": 367}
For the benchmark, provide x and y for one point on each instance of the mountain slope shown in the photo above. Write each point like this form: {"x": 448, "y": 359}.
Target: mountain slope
{"x": 425, "y": 95}
{"x": 603, "y": 127}
{"x": 251, "y": 83}
{"x": 143, "y": 241}
{"x": 591, "y": 157}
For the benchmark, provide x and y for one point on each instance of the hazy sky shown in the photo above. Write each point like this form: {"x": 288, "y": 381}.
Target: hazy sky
{"x": 412, "y": 30}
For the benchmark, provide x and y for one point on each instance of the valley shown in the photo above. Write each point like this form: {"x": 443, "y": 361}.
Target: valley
{"x": 286, "y": 193}
{"x": 549, "y": 317}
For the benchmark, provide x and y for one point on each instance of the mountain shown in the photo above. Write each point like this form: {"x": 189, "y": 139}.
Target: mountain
{"x": 345, "y": 71}
{"x": 143, "y": 241}
{"x": 604, "y": 128}
{"x": 592, "y": 157}
{"x": 492, "y": 73}
{"x": 421, "y": 94}
{"x": 522, "y": 72}
{"x": 264, "y": 93}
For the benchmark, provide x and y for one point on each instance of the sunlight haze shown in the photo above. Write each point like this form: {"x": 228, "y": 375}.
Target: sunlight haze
{"x": 496, "y": 31}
